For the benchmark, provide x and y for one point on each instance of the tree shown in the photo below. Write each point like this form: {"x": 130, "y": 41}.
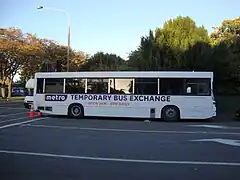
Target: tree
{"x": 51, "y": 54}
{"x": 15, "y": 48}
{"x": 77, "y": 59}
{"x": 148, "y": 56}
{"x": 179, "y": 35}
{"x": 198, "y": 57}
{"x": 226, "y": 41}
{"x": 101, "y": 61}
{"x": 229, "y": 30}
{"x": 164, "y": 50}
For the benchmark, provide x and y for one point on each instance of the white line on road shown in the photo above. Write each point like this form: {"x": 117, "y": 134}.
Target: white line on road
{"x": 12, "y": 114}
{"x": 230, "y": 142}
{"x": 10, "y": 120}
{"x": 20, "y": 123}
{"x": 120, "y": 159}
{"x": 214, "y": 126}
{"x": 132, "y": 130}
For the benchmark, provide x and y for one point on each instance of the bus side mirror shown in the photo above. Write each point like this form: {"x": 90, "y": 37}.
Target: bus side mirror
{"x": 189, "y": 90}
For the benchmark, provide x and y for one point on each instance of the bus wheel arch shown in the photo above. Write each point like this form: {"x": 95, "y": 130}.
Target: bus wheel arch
{"x": 170, "y": 113}
{"x": 76, "y": 110}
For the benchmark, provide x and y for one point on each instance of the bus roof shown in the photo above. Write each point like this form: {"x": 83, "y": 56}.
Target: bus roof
{"x": 126, "y": 74}
{"x": 30, "y": 84}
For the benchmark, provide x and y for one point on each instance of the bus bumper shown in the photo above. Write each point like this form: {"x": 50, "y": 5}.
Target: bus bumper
{"x": 27, "y": 105}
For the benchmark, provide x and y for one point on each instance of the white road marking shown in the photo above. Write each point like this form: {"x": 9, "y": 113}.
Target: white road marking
{"x": 131, "y": 130}
{"x": 121, "y": 159}
{"x": 12, "y": 114}
{"x": 230, "y": 142}
{"x": 15, "y": 119}
{"x": 20, "y": 123}
{"x": 214, "y": 126}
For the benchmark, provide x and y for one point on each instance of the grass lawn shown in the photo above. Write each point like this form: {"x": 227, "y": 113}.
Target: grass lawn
{"x": 13, "y": 98}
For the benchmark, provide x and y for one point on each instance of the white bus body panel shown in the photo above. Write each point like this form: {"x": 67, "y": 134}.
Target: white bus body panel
{"x": 190, "y": 107}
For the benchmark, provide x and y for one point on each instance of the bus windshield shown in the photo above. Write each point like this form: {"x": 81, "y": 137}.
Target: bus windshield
{"x": 29, "y": 92}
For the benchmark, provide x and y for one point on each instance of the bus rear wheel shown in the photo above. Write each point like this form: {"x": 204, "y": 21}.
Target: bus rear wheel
{"x": 170, "y": 114}
{"x": 76, "y": 111}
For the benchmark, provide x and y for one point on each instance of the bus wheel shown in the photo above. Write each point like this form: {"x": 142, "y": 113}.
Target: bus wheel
{"x": 170, "y": 114}
{"x": 76, "y": 111}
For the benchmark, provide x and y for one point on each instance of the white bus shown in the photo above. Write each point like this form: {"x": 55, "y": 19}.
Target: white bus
{"x": 169, "y": 95}
{"x": 28, "y": 99}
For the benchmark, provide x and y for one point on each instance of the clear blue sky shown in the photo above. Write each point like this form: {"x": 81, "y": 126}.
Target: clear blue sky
{"x": 109, "y": 25}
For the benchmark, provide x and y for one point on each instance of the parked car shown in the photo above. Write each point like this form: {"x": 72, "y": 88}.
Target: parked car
{"x": 17, "y": 91}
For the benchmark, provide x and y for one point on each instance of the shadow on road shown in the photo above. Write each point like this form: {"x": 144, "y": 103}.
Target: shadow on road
{"x": 141, "y": 119}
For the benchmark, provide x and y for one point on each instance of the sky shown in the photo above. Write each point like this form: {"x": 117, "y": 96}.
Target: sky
{"x": 107, "y": 25}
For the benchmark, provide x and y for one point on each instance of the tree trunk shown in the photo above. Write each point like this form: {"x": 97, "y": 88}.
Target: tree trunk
{"x": 3, "y": 91}
{"x": 9, "y": 89}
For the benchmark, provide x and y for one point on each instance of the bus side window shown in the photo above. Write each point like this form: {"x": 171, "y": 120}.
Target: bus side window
{"x": 75, "y": 86}
{"x": 146, "y": 86}
{"x": 199, "y": 86}
{"x": 53, "y": 85}
{"x": 121, "y": 86}
{"x": 39, "y": 85}
{"x": 193, "y": 87}
{"x": 204, "y": 89}
{"x": 172, "y": 86}
{"x": 97, "y": 86}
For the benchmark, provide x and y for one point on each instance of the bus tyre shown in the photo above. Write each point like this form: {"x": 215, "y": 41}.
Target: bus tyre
{"x": 76, "y": 111}
{"x": 170, "y": 114}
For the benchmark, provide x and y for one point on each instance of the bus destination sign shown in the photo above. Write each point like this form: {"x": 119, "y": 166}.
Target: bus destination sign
{"x": 106, "y": 97}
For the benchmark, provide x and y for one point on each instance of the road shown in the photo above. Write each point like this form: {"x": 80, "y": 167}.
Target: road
{"x": 61, "y": 148}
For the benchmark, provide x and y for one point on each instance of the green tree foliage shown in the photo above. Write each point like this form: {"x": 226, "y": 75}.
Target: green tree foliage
{"x": 151, "y": 55}
{"x": 51, "y": 53}
{"x": 164, "y": 49}
{"x": 104, "y": 61}
{"x": 181, "y": 33}
{"x": 16, "y": 48}
{"x": 226, "y": 42}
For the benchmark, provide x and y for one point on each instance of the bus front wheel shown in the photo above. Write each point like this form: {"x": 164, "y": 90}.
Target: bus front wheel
{"x": 170, "y": 114}
{"x": 76, "y": 111}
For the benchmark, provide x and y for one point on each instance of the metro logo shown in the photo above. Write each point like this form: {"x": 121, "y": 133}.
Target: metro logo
{"x": 54, "y": 97}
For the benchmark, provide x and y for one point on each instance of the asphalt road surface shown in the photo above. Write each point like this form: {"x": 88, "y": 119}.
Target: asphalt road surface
{"x": 61, "y": 148}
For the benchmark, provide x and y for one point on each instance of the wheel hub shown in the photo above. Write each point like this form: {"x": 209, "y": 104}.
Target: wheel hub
{"x": 76, "y": 111}
{"x": 171, "y": 113}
